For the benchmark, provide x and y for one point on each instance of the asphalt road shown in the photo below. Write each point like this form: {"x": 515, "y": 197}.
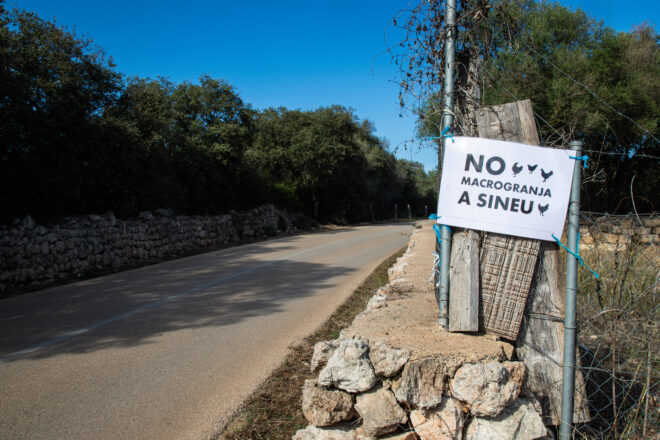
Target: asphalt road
{"x": 170, "y": 351}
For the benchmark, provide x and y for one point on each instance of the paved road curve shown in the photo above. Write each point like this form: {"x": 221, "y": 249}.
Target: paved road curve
{"x": 168, "y": 351}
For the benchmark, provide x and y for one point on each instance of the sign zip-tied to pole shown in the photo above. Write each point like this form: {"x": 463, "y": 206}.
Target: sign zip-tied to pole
{"x": 447, "y": 122}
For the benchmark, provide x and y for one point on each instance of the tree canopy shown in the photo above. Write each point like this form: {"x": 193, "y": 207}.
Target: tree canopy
{"x": 585, "y": 80}
{"x": 77, "y": 136}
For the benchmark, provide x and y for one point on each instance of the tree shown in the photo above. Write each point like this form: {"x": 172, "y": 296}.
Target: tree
{"x": 588, "y": 82}
{"x": 53, "y": 89}
{"x": 585, "y": 81}
{"x": 312, "y": 158}
{"x": 78, "y": 137}
{"x": 193, "y": 136}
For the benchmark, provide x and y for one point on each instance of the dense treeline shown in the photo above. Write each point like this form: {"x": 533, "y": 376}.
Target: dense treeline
{"x": 77, "y": 137}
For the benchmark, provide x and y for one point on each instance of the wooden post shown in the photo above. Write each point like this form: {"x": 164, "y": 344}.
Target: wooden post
{"x": 371, "y": 211}
{"x": 501, "y": 254}
{"x": 464, "y": 282}
{"x": 464, "y": 260}
{"x": 396, "y": 211}
{"x": 510, "y": 274}
{"x": 507, "y": 263}
{"x": 409, "y": 213}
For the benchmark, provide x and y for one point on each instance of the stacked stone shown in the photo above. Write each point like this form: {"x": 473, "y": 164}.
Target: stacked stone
{"x": 32, "y": 254}
{"x": 609, "y": 233}
{"x": 369, "y": 390}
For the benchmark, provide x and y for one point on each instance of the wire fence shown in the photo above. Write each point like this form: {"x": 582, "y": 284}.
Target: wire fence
{"x": 618, "y": 326}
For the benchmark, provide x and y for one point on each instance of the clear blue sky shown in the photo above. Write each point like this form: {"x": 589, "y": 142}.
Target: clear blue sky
{"x": 295, "y": 54}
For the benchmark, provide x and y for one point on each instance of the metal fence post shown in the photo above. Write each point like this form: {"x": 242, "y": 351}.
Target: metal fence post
{"x": 568, "y": 380}
{"x": 447, "y": 122}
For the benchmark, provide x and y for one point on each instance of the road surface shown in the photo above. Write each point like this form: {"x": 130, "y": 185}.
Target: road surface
{"x": 170, "y": 351}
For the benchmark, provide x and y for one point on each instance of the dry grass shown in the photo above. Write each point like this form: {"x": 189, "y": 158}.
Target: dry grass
{"x": 618, "y": 315}
{"x": 274, "y": 410}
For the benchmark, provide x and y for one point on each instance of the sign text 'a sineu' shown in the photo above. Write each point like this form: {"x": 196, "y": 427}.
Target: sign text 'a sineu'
{"x": 505, "y": 187}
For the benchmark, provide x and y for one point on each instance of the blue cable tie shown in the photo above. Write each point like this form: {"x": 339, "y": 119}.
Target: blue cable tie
{"x": 433, "y": 217}
{"x": 576, "y": 255}
{"x": 436, "y": 228}
{"x": 582, "y": 158}
{"x": 445, "y": 133}
{"x": 438, "y": 234}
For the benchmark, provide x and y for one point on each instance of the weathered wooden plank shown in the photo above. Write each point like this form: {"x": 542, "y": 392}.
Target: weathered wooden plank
{"x": 507, "y": 263}
{"x": 540, "y": 343}
{"x": 464, "y": 262}
{"x": 464, "y": 282}
{"x": 507, "y": 269}
{"x": 528, "y": 132}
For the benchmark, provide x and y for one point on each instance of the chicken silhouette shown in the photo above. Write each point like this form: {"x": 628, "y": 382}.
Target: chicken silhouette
{"x": 516, "y": 169}
{"x": 545, "y": 175}
{"x": 531, "y": 168}
{"x": 543, "y": 208}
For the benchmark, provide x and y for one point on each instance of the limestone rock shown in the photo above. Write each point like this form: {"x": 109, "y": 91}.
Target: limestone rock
{"x": 111, "y": 218}
{"x": 380, "y": 412}
{"x": 349, "y": 368}
{"x": 520, "y": 421}
{"x": 362, "y": 435}
{"x": 146, "y": 215}
{"x": 164, "y": 212}
{"x": 441, "y": 423}
{"x": 401, "y": 436}
{"x": 324, "y": 407}
{"x": 322, "y": 352}
{"x": 376, "y": 302}
{"x": 385, "y": 290}
{"x": 399, "y": 282}
{"x": 387, "y": 361}
{"x": 487, "y": 388}
{"x": 422, "y": 383}
{"x": 516, "y": 372}
{"x": 397, "y": 271}
{"x": 334, "y": 433}
{"x": 28, "y": 222}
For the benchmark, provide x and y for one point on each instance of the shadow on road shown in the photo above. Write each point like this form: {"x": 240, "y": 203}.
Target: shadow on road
{"x": 135, "y": 307}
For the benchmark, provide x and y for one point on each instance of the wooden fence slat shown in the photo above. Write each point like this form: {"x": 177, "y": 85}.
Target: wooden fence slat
{"x": 464, "y": 282}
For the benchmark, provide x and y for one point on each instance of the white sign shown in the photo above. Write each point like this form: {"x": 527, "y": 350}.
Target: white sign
{"x": 505, "y": 187}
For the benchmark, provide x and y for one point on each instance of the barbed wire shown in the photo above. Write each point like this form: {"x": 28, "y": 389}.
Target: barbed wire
{"x": 629, "y": 155}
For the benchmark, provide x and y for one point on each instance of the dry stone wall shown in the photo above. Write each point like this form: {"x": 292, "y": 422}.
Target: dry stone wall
{"x": 394, "y": 375}
{"x": 31, "y": 254}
